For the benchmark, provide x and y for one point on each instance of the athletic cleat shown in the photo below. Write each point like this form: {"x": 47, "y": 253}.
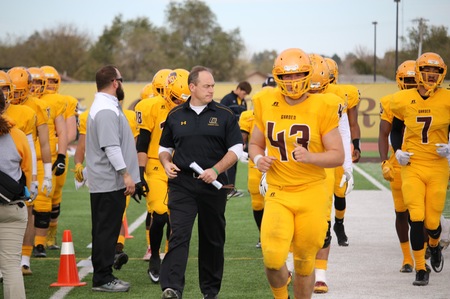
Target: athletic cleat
{"x": 338, "y": 228}
{"x": 120, "y": 259}
{"x": 112, "y": 287}
{"x": 170, "y": 294}
{"x": 147, "y": 255}
{"x": 422, "y": 278}
{"x": 154, "y": 267}
{"x": 427, "y": 252}
{"x": 235, "y": 193}
{"x": 26, "y": 271}
{"x": 154, "y": 275}
{"x": 406, "y": 268}
{"x": 39, "y": 251}
{"x": 436, "y": 259}
{"x": 258, "y": 245}
{"x": 320, "y": 287}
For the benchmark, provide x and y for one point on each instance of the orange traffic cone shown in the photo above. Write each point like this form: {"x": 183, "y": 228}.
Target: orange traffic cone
{"x": 68, "y": 272}
{"x": 125, "y": 226}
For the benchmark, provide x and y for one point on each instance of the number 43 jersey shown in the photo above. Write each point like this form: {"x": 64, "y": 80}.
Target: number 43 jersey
{"x": 284, "y": 126}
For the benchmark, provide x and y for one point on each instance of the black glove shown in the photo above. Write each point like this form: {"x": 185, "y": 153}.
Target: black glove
{"x": 143, "y": 181}
{"x": 138, "y": 192}
{"x": 59, "y": 165}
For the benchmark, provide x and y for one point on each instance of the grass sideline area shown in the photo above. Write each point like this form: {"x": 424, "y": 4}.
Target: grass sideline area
{"x": 244, "y": 275}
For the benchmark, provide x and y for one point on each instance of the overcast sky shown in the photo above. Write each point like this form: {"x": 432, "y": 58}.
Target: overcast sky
{"x": 321, "y": 26}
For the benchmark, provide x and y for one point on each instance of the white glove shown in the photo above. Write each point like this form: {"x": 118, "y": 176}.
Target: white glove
{"x": 78, "y": 185}
{"x": 347, "y": 177}
{"x": 443, "y": 149}
{"x": 47, "y": 185}
{"x": 33, "y": 190}
{"x": 403, "y": 157}
{"x": 244, "y": 157}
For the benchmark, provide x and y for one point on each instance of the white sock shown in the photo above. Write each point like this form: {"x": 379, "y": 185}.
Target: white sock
{"x": 25, "y": 261}
{"x": 321, "y": 275}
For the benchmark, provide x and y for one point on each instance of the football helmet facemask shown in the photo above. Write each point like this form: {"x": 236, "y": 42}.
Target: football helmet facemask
{"x": 159, "y": 81}
{"x": 177, "y": 88}
{"x": 53, "y": 79}
{"x": 321, "y": 74}
{"x": 6, "y": 86}
{"x": 289, "y": 62}
{"x": 21, "y": 81}
{"x": 426, "y": 78}
{"x": 38, "y": 81}
{"x": 334, "y": 70}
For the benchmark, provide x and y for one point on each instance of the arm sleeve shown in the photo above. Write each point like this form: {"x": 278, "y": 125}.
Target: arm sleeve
{"x": 397, "y": 134}
{"x": 143, "y": 141}
{"x": 33, "y": 154}
{"x": 344, "y": 129}
{"x": 114, "y": 154}
{"x": 238, "y": 149}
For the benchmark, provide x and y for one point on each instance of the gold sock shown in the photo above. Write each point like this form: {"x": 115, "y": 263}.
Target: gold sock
{"x": 321, "y": 264}
{"x": 407, "y": 256}
{"x": 26, "y": 250}
{"x": 433, "y": 242}
{"x": 419, "y": 257}
{"x": 281, "y": 293}
{"x": 339, "y": 214}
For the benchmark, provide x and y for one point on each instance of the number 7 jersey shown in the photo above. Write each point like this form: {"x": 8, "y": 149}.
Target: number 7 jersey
{"x": 285, "y": 125}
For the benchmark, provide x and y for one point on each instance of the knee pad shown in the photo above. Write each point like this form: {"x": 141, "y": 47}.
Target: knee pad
{"x": 41, "y": 219}
{"x": 435, "y": 233}
{"x": 55, "y": 212}
{"x": 416, "y": 235}
{"x": 327, "y": 241}
{"x": 339, "y": 203}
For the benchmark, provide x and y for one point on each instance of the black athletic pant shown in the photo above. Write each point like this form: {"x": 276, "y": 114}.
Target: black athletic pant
{"x": 106, "y": 216}
{"x": 189, "y": 197}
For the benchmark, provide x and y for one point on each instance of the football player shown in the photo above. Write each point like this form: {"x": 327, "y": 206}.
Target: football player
{"x": 300, "y": 132}
{"x": 419, "y": 137}
{"x": 405, "y": 77}
{"x": 143, "y": 109}
{"x": 353, "y": 98}
{"x": 340, "y": 179}
{"x": 70, "y": 114}
{"x": 176, "y": 92}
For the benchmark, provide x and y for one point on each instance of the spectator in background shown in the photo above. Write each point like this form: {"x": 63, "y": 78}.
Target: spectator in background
{"x": 235, "y": 100}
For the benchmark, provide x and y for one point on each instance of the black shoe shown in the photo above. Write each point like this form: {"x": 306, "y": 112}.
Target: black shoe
{"x": 422, "y": 277}
{"x": 406, "y": 268}
{"x": 154, "y": 267}
{"x": 427, "y": 253}
{"x": 120, "y": 259}
{"x": 39, "y": 251}
{"x": 170, "y": 294}
{"x": 338, "y": 228}
{"x": 436, "y": 258}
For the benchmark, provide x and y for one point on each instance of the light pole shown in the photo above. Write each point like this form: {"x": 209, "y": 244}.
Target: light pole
{"x": 374, "y": 51}
{"x": 396, "y": 37}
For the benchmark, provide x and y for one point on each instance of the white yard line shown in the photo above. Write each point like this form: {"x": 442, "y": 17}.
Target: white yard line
{"x": 370, "y": 178}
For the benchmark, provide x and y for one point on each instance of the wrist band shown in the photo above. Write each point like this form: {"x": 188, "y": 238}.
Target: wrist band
{"x": 356, "y": 144}
{"x": 215, "y": 170}
{"x": 256, "y": 159}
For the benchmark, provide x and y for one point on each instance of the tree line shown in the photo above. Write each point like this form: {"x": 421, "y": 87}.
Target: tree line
{"x": 140, "y": 49}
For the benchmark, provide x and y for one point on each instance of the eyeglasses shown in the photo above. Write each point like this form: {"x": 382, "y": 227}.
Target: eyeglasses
{"x": 117, "y": 79}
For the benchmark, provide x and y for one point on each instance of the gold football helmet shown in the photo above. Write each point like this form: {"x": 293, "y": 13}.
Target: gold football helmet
{"x": 53, "y": 79}
{"x": 292, "y": 61}
{"x": 321, "y": 74}
{"x": 427, "y": 60}
{"x": 6, "y": 86}
{"x": 147, "y": 91}
{"x": 159, "y": 81}
{"x": 406, "y": 75}
{"x": 21, "y": 81}
{"x": 38, "y": 81}
{"x": 177, "y": 88}
{"x": 334, "y": 70}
